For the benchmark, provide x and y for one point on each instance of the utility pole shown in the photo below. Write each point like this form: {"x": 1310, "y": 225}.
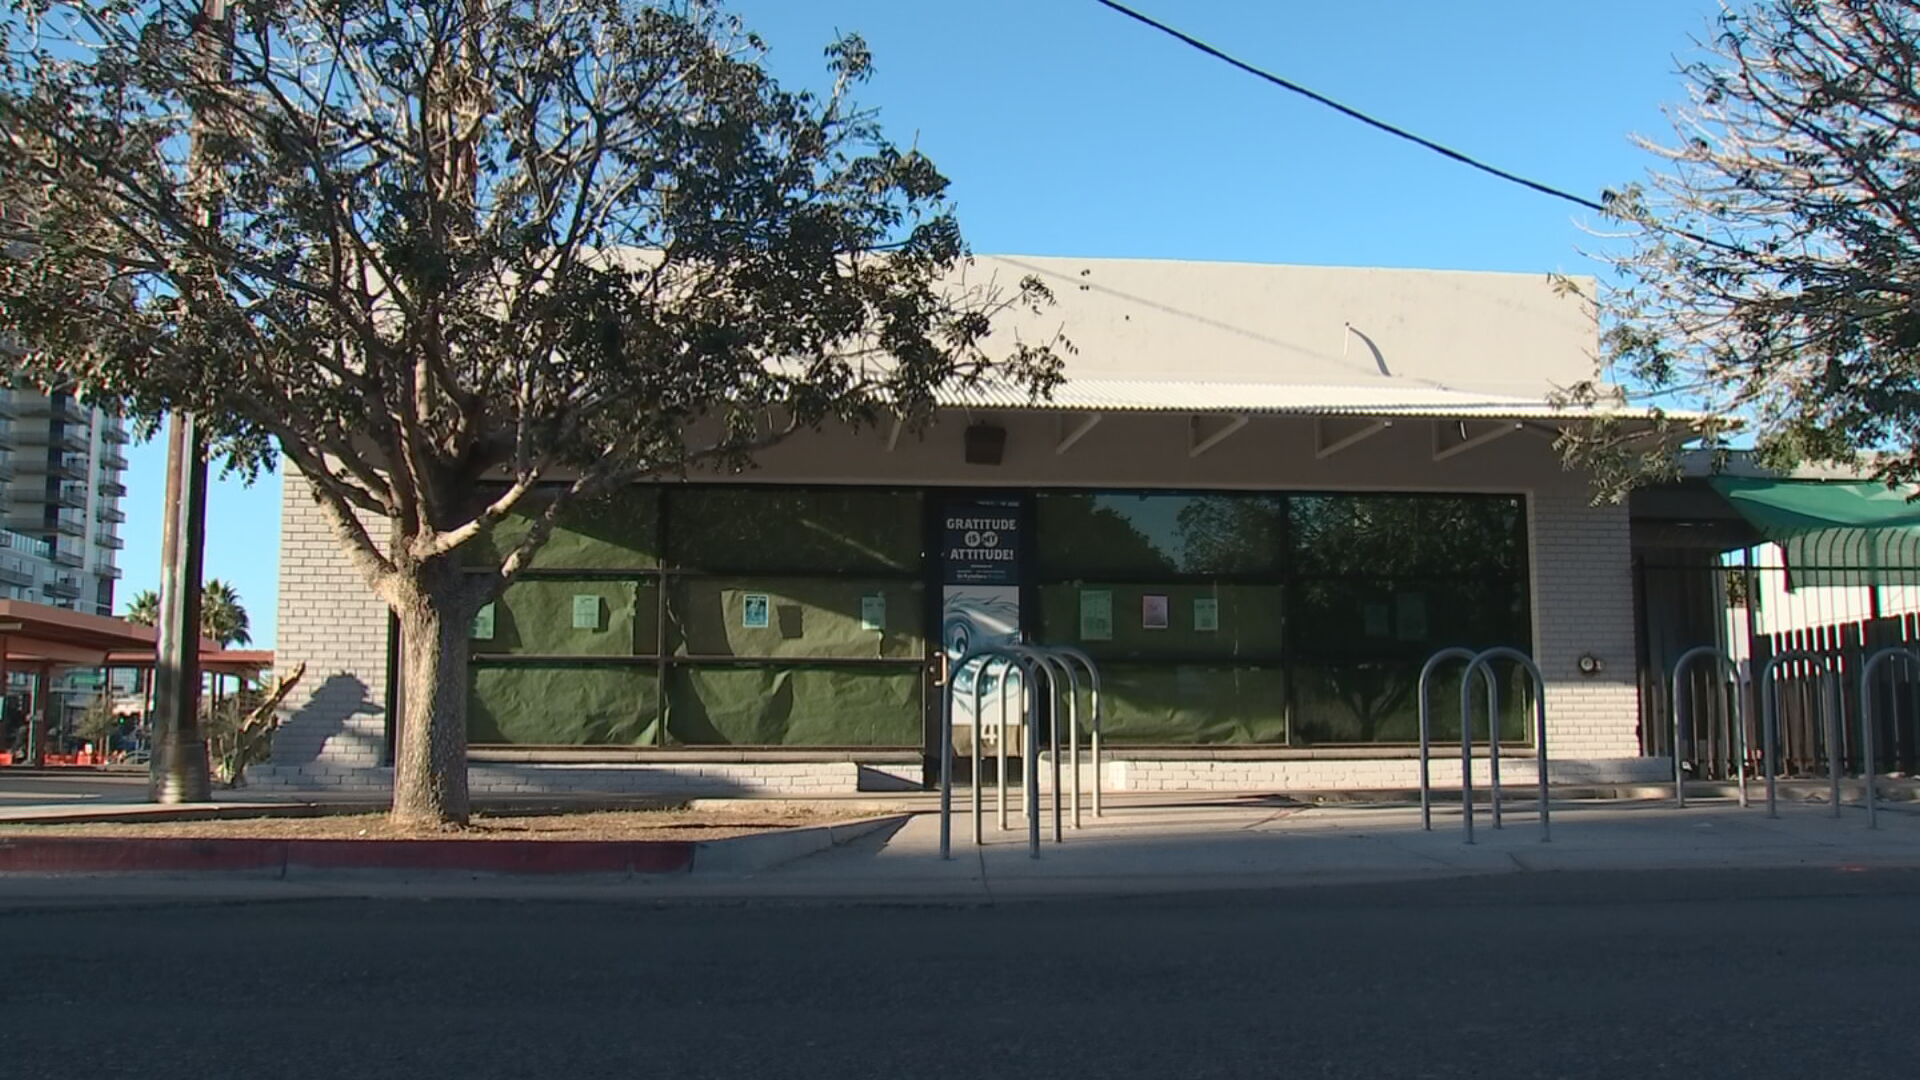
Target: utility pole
{"x": 177, "y": 771}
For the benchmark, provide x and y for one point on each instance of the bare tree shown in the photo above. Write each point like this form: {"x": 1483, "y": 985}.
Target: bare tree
{"x": 552, "y": 246}
{"x": 1774, "y": 268}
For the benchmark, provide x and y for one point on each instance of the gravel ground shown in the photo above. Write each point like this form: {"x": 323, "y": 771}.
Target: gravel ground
{"x": 592, "y": 825}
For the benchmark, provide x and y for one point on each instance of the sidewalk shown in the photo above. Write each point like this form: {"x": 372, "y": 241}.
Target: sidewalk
{"x": 1156, "y": 849}
{"x": 1164, "y": 845}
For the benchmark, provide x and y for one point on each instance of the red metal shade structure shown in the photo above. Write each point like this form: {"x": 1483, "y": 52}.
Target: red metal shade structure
{"x": 44, "y": 639}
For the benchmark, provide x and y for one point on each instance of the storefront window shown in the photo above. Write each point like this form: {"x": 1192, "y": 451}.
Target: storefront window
{"x": 1404, "y": 535}
{"x": 772, "y": 530}
{"x": 1300, "y": 619}
{"x": 1380, "y": 583}
{"x": 1126, "y": 535}
{"x": 843, "y": 618}
{"x": 794, "y": 705}
{"x": 559, "y": 703}
{"x": 784, "y": 617}
{"x": 762, "y": 616}
{"x": 617, "y": 532}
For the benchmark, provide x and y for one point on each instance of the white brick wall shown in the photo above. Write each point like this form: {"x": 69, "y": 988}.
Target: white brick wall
{"x": 1583, "y": 603}
{"x": 718, "y": 778}
{"x": 330, "y": 621}
{"x": 1334, "y": 774}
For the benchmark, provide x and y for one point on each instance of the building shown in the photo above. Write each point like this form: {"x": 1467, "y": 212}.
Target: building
{"x": 1264, "y": 497}
{"x": 61, "y": 469}
{"x": 1822, "y": 564}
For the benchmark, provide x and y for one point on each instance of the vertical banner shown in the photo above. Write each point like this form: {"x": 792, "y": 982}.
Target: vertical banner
{"x": 980, "y": 574}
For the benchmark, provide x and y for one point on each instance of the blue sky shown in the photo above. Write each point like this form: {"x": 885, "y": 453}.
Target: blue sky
{"x": 1069, "y": 130}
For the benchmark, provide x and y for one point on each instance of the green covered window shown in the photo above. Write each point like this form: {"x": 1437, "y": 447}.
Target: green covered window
{"x": 815, "y": 530}
{"x": 705, "y": 616}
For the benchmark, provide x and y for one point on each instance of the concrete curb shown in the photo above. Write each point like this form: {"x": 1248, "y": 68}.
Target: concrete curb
{"x": 312, "y": 859}
{"x": 748, "y": 854}
{"x": 137, "y": 813}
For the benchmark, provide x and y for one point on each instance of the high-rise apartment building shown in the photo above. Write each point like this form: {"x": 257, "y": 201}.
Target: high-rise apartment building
{"x": 61, "y": 469}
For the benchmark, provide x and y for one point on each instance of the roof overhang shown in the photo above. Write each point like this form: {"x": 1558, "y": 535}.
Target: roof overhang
{"x": 1386, "y": 399}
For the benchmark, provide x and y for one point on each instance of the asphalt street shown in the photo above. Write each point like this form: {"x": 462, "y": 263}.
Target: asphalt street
{"x": 1694, "y": 974}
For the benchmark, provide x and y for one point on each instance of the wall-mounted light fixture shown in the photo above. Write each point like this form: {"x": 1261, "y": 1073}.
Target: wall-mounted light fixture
{"x": 986, "y": 444}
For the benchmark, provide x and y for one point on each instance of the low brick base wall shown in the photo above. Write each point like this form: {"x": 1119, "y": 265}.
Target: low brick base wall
{"x": 691, "y": 778}
{"x": 1337, "y": 774}
{"x": 845, "y": 777}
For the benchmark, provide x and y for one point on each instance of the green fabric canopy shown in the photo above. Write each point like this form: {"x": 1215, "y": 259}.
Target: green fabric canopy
{"x": 1833, "y": 533}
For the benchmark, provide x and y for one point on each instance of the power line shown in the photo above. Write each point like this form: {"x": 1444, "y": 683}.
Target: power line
{"x": 1353, "y": 113}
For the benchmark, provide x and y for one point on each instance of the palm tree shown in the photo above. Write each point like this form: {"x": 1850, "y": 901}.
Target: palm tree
{"x": 144, "y": 609}
{"x": 222, "y": 617}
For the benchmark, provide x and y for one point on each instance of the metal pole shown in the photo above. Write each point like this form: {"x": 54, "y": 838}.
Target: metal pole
{"x": 1426, "y": 727}
{"x": 1738, "y": 697}
{"x": 1073, "y": 733}
{"x": 1493, "y": 740}
{"x": 1098, "y": 722}
{"x": 979, "y": 726}
{"x": 1466, "y": 750}
{"x": 1032, "y": 698}
{"x": 1540, "y": 755}
{"x": 1830, "y": 696}
{"x": 1866, "y": 739}
{"x": 177, "y": 771}
{"x": 1093, "y": 690}
{"x": 946, "y": 767}
{"x": 1752, "y": 688}
{"x": 1007, "y": 681}
{"x": 1679, "y": 776}
{"x": 1769, "y": 718}
{"x": 1053, "y": 740}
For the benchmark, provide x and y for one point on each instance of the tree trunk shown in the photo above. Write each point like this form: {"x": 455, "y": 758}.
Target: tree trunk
{"x": 430, "y": 767}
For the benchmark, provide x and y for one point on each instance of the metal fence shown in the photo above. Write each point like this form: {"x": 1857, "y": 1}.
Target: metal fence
{"x": 1753, "y": 607}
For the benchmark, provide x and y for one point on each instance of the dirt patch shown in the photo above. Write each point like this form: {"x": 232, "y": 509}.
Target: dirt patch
{"x": 588, "y": 825}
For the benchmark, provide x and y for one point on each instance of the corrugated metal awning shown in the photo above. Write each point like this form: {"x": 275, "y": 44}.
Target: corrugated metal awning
{"x": 1174, "y": 396}
{"x": 1833, "y": 533}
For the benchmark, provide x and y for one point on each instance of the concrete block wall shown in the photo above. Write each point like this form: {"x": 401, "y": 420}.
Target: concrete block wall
{"x": 1582, "y": 585}
{"x": 330, "y": 621}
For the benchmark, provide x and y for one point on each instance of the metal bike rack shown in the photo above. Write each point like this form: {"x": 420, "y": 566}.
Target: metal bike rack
{"x": 1426, "y": 722}
{"x": 1093, "y": 690}
{"x": 1010, "y": 670}
{"x": 1891, "y": 652}
{"x": 1479, "y": 665}
{"x": 1033, "y": 665}
{"x": 1047, "y": 664}
{"x": 1739, "y": 717}
{"x": 1011, "y": 664}
{"x": 1765, "y": 686}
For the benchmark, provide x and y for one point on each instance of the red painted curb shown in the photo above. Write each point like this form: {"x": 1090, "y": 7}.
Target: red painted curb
{"x": 495, "y": 856}
{"x": 92, "y": 854}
